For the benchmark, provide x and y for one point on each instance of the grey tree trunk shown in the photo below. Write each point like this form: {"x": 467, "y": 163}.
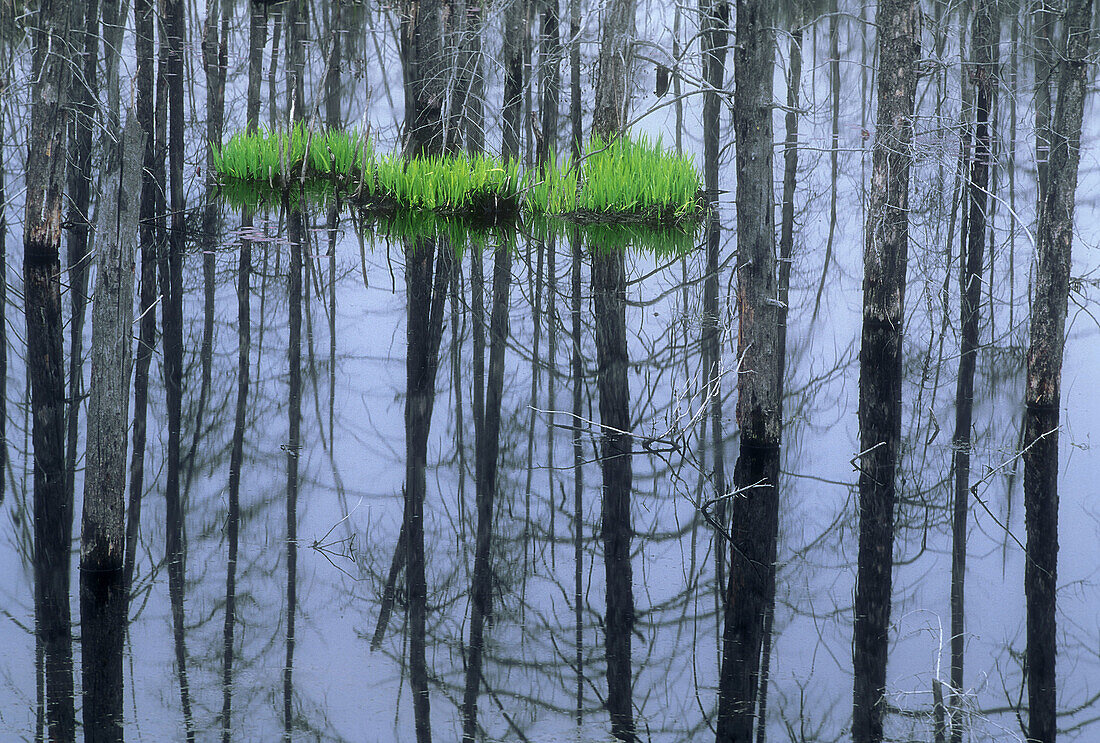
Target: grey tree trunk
{"x": 884, "y": 263}
{"x": 985, "y": 74}
{"x": 143, "y": 42}
{"x": 53, "y": 510}
{"x": 756, "y": 475}
{"x": 515, "y": 32}
{"x": 1044, "y": 372}
{"x": 103, "y": 524}
{"x": 613, "y": 69}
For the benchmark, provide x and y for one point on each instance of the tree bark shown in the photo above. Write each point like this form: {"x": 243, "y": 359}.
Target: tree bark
{"x": 515, "y": 33}
{"x": 613, "y": 69}
{"x": 171, "y": 281}
{"x": 103, "y": 524}
{"x": 53, "y": 510}
{"x": 714, "y": 40}
{"x": 297, "y": 237}
{"x": 257, "y": 40}
{"x": 756, "y": 505}
{"x": 487, "y": 444}
{"x": 985, "y": 75}
{"x": 885, "y": 256}
{"x": 616, "y": 440}
{"x": 1044, "y": 373}
{"x": 85, "y": 90}
{"x": 236, "y": 461}
{"x": 143, "y": 41}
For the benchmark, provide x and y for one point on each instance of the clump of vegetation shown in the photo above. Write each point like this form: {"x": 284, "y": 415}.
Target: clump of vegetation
{"x": 637, "y": 178}
{"x": 625, "y": 180}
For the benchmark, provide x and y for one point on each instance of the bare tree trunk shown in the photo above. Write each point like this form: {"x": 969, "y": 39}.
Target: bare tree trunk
{"x": 296, "y": 231}
{"x": 333, "y": 77}
{"x": 474, "y": 100}
{"x": 514, "y": 35}
{"x": 143, "y": 41}
{"x": 616, "y": 440}
{"x": 6, "y": 21}
{"x": 834, "y": 150}
{"x": 428, "y": 271}
{"x": 297, "y": 21}
{"x": 756, "y": 475}
{"x": 984, "y": 39}
{"x": 171, "y": 281}
{"x": 1044, "y": 372}
{"x": 786, "y": 251}
{"x": 487, "y": 445}
{"x": 885, "y": 257}
{"x": 577, "y": 366}
{"x": 85, "y": 90}
{"x": 257, "y": 40}
{"x": 714, "y": 39}
{"x": 103, "y": 524}
{"x": 613, "y": 69}
{"x": 53, "y": 510}
{"x": 236, "y": 461}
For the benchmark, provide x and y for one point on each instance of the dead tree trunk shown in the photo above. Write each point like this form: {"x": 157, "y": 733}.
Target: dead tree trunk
{"x": 236, "y": 461}
{"x": 103, "y": 524}
{"x": 143, "y": 42}
{"x": 171, "y": 282}
{"x": 85, "y": 90}
{"x": 1044, "y": 372}
{"x": 714, "y": 39}
{"x": 257, "y": 40}
{"x": 53, "y": 511}
{"x": 487, "y": 444}
{"x": 984, "y": 39}
{"x": 884, "y": 263}
{"x": 515, "y": 32}
{"x": 427, "y": 278}
{"x": 756, "y": 475}
{"x": 616, "y": 440}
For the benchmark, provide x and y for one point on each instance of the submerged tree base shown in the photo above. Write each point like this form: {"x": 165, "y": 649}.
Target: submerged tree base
{"x": 626, "y": 181}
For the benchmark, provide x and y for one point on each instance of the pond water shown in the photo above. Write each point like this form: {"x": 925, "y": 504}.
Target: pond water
{"x": 338, "y": 490}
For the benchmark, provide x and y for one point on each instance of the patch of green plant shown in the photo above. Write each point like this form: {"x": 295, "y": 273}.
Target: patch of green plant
{"x": 629, "y": 180}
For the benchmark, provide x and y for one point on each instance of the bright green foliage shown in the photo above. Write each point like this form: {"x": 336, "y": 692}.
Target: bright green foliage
{"x": 626, "y": 180}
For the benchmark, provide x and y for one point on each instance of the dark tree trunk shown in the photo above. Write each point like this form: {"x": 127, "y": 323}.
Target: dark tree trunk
{"x": 834, "y": 150}
{"x": 474, "y": 101}
{"x": 85, "y": 90}
{"x": 576, "y": 115}
{"x": 756, "y": 475}
{"x": 786, "y": 251}
{"x": 884, "y": 265}
{"x": 515, "y": 34}
{"x": 577, "y": 366}
{"x": 1044, "y": 373}
{"x": 425, "y": 74}
{"x": 297, "y": 21}
{"x": 487, "y": 443}
{"x": 236, "y": 461}
{"x": 616, "y": 440}
{"x": 53, "y": 510}
{"x": 333, "y": 77}
{"x": 613, "y": 69}
{"x": 103, "y": 524}
{"x": 985, "y": 74}
{"x": 257, "y": 40}
{"x": 467, "y": 64}
{"x": 297, "y": 238}
{"x": 714, "y": 41}
{"x": 171, "y": 281}
{"x": 426, "y": 298}
{"x": 147, "y": 236}
{"x": 550, "y": 73}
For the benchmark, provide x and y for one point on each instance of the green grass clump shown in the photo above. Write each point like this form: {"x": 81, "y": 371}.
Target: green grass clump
{"x": 636, "y": 177}
{"x": 627, "y": 180}
{"x": 280, "y": 157}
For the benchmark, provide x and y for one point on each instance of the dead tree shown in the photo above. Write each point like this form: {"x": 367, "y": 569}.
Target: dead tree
{"x": 884, "y": 263}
